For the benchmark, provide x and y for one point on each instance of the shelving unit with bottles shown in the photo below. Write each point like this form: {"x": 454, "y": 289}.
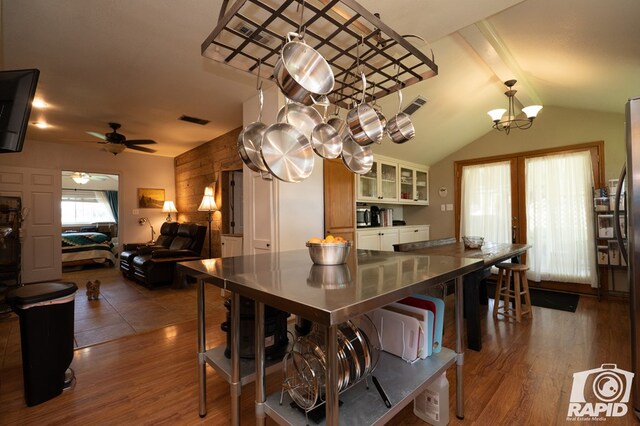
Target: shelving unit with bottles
{"x": 608, "y": 255}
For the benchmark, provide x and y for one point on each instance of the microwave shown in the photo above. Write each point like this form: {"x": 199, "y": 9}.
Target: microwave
{"x": 363, "y": 217}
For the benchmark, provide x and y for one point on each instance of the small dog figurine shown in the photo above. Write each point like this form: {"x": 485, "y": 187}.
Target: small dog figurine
{"x": 93, "y": 290}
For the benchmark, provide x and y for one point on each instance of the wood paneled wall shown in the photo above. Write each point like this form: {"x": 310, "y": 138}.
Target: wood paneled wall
{"x": 197, "y": 168}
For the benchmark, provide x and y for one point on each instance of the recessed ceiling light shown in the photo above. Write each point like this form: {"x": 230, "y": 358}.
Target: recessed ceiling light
{"x": 39, "y": 103}
{"x": 41, "y": 124}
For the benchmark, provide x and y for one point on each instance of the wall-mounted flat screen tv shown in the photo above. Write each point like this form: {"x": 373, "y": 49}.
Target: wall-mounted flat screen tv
{"x": 17, "y": 89}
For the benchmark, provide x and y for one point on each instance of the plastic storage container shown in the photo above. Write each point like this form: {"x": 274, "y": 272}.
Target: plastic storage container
{"x": 432, "y": 405}
{"x": 46, "y": 313}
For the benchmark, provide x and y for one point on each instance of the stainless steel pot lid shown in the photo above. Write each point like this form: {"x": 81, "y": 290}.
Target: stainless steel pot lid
{"x": 357, "y": 158}
{"x": 249, "y": 143}
{"x": 302, "y": 117}
{"x": 287, "y": 153}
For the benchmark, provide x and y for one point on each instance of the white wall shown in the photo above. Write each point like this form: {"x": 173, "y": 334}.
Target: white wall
{"x": 134, "y": 170}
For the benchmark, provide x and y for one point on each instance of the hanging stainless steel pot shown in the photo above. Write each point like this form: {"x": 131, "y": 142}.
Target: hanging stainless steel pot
{"x": 325, "y": 140}
{"x": 287, "y": 153}
{"x": 364, "y": 125}
{"x": 357, "y": 158}
{"x": 400, "y": 127}
{"x": 301, "y": 71}
{"x": 250, "y": 141}
{"x": 302, "y": 117}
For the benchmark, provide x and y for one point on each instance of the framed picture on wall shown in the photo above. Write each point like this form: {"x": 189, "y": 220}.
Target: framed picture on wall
{"x": 149, "y": 198}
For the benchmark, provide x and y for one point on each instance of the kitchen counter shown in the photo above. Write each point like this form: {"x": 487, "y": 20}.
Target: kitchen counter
{"x": 328, "y": 295}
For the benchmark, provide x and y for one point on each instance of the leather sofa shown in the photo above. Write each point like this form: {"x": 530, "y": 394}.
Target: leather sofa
{"x": 168, "y": 232}
{"x": 158, "y": 267}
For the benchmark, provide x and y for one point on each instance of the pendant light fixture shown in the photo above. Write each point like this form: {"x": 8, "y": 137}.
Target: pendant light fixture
{"x": 511, "y": 120}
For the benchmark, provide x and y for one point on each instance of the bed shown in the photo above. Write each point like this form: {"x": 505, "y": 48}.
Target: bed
{"x": 83, "y": 248}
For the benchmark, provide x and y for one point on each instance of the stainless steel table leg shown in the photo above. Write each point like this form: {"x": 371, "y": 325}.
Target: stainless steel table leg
{"x": 332, "y": 376}
{"x": 202, "y": 345}
{"x": 235, "y": 385}
{"x": 261, "y": 389}
{"x": 459, "y": 347}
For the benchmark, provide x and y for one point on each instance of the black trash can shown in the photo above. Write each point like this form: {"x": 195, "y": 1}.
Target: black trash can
{"x": 46, "y": 313}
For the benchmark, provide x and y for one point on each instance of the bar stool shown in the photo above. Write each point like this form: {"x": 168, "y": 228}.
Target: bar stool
{"x": 504, "y": 291}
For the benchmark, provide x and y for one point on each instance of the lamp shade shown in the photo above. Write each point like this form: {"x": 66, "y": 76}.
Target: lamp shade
{"x": 532, "y": 110}
{"x": 208, "y": 204}
{"x": 169, "y": 207}
{"x": 496, "y": 114}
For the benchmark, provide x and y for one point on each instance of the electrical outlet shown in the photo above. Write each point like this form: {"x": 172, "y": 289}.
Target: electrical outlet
{"x": 449, "y": 207}
{"x": 135, "y": 211}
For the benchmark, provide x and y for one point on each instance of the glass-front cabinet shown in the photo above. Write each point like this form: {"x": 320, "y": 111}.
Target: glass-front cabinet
{"x": 414, "y": 185}
{"x": 380, "y": 184}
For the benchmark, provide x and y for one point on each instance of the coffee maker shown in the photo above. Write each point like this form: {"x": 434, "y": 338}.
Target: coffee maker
{"x": 375, "y": 216}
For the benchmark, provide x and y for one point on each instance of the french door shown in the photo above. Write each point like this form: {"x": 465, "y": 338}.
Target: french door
{"x": 479, "y": 176}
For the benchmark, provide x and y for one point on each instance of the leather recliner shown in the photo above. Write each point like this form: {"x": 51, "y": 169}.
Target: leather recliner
{"x": 158, "y": 267}
{"x": 168, "y": 232}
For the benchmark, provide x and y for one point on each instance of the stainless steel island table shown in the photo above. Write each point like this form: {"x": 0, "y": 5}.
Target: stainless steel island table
{"x": 330, "y": 295}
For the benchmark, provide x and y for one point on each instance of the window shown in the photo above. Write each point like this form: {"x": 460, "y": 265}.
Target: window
{"x": 547, "y": 206}
{"x": 82, "y": 207}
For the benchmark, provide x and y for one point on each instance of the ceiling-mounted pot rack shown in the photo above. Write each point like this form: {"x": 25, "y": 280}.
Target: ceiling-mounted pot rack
{"x": 250, "y": 32}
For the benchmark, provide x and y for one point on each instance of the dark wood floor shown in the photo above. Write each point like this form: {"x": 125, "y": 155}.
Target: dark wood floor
{"x": 523, "y": 376}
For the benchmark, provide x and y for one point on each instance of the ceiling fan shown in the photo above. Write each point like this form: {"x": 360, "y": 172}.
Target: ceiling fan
{"x": 116, "y": 142}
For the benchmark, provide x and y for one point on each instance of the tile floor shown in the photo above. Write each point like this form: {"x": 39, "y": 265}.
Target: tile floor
{"x": 123, "y": 308}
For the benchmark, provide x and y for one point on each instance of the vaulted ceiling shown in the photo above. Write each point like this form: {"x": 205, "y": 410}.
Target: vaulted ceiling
{"x": 139, "y": 63}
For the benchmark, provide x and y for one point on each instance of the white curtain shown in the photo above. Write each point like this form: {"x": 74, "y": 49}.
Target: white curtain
{"x": 560, "y": 218}
{"x": 486, "y": 201}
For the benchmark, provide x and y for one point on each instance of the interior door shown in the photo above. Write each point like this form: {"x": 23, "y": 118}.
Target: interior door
{"x": 40, "y": 190}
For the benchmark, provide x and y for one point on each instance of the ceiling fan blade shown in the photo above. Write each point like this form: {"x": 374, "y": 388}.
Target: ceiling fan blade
{"x": 141, "y": 148}
{"x": 97, "y": 135}
{"x": 140, "y": 142}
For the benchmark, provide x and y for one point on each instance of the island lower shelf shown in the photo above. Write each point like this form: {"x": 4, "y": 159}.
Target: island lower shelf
{"x": 401, "y": 381}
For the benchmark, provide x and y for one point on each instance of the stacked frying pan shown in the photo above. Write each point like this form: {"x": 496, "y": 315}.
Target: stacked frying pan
{"x": 285, "y": 149}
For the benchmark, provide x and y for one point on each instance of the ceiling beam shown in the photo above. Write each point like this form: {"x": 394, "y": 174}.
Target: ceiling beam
{"x": 484, "y": 39}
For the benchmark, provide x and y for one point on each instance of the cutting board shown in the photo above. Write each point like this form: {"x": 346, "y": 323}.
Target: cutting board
{"x": 426, "y": 320}
{"x": 435, "y": 305}
{"x": 399, "y": 333}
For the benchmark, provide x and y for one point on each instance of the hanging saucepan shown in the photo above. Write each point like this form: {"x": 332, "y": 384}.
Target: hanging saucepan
{"x": 400, "y": 127}
{"x": 364, "y": 125}
{"x": 302, "y": 117}
{"x": 338, "y": 123}
{"x": 250, "y": 141}
{"x": 302, "y": 72}
{"x": 287, "y": 153}
{"x": 325, "y": 140}
{"x": 357, "y": 158}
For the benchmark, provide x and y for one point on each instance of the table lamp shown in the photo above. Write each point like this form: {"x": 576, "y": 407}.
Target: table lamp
{"x": 169, "y": 207}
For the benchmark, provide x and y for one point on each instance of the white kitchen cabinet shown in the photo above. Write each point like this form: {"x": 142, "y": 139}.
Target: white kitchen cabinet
{"x": 231, "y": 245}
{"x": 410, "y": 234}
{"x": 414, "y": 184}
{"x": 393, "y": 181}
{"x": 377, "y": 239}
{"x": 381, "y": 183}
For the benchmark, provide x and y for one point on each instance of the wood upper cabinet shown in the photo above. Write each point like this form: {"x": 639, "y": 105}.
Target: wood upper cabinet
{"x": 339, "y": 200}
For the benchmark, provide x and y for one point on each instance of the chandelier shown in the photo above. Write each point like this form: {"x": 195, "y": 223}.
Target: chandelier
{"x": 511, "y": 119}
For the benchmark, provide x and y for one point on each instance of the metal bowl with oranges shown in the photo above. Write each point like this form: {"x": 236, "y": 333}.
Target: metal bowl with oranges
{"x": 329, "y": 250}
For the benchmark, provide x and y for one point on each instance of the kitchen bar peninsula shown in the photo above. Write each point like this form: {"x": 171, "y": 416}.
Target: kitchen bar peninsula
{"x": 330, "y": 295}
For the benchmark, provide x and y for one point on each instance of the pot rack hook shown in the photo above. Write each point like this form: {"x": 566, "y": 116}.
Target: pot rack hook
{"x": 300, "y": 28}
{"x": 259, "y": 79}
